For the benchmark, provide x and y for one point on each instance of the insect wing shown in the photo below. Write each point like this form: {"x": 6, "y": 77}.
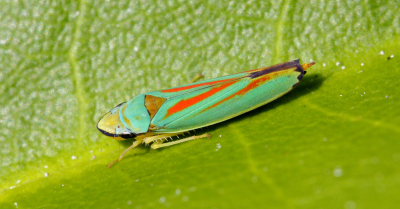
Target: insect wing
{"x": 212, "y": 101}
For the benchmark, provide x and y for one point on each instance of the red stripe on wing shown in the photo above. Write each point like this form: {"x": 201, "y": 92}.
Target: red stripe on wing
{"x": 195, "y": 85}
{"x": 194, "y": 100}
{"x": 254, "y": 84}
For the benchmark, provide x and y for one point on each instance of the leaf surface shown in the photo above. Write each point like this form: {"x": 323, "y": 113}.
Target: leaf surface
{"x": 333, "y": 142}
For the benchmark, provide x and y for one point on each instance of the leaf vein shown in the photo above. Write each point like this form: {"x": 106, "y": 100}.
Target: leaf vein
{"x": 255, "y": 170}
{"x": 279, "y": 31}
{"x": 76, "y": 70}
{"x": 348, "y": 117}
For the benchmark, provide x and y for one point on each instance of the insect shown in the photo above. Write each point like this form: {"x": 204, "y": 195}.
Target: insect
{"x": 153, "y": 117}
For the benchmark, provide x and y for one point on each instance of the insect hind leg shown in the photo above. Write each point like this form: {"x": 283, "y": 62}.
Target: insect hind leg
{"x": 159, "y": 141}
{"x": 167, "y": 144}
{"x": 159, "y": 138}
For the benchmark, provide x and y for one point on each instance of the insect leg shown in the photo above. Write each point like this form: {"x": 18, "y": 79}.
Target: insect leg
{"x": 134, "y": 144}
{"x": 198, "y": 77}
{"x": 166, "y": 144}
{"x": 161, "y": 138}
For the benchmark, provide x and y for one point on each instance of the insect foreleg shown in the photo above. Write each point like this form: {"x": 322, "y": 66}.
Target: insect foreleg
{"x": 134, "y": 144}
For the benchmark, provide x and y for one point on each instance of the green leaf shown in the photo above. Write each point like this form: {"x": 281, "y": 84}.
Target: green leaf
{"x": 333, "y": 142}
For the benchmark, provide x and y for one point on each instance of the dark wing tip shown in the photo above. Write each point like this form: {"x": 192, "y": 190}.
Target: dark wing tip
{"x": 278, "y": 67}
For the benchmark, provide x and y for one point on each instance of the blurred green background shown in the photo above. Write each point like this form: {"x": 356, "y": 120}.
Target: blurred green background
{"x": 333, "y": 142}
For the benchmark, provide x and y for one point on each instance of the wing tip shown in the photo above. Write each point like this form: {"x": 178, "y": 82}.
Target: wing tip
{"x": 302, "y": 68}
{"x": 308, "y": 65}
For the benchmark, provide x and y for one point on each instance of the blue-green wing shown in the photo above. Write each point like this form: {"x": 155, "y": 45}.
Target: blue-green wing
{"x": 208, "y": 102}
